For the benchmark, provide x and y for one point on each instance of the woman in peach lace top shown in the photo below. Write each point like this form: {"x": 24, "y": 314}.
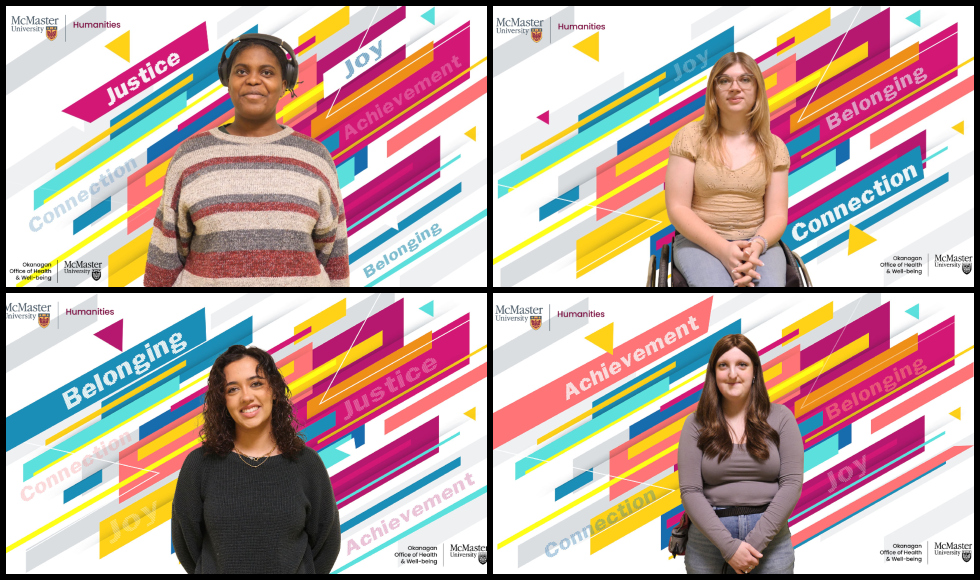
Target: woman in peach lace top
{"x": 727, "y": 184}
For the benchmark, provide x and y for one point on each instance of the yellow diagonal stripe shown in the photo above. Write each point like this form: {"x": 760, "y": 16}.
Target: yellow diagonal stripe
{"x": 594, "y": 115}
{"x": 622, "y": 233}
{"x": 288, "y": 369}
{"x": 322, "y": 320}
{"x": 115, "y": 403}
{"x": 158, "y": 171}
{"x": 301, "y": 103}
{"x": 174, "y": 434}
{"x": 772, "y": 372}
{"x": 356, "y": 353}
{"x": 809, "y": 82}
{"x": 326, "y": 29}
{"x": 804, "y": 31}
{"x": 100, "y": 497}
{"x": 130, "y": 251}
{"x": 583, "y": 210}
{"x": 665, "y": 500}
{"x": 122, "y": 123}
{"x": 86, "y": 241}
{"x": 134, "y": 520}
{"x": 821, "y": 366}
{"x": 823, "y": 314}
{"x": 606, "y": 403}
{"x": 655, "y": 438}
{"x": 647, "y": 152}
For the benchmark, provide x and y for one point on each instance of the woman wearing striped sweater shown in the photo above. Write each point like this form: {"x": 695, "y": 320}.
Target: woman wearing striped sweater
{"x": 251, "y": 203}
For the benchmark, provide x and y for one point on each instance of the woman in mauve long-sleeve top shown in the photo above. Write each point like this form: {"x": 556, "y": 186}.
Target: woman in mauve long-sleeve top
{"x": 738, "y": 449}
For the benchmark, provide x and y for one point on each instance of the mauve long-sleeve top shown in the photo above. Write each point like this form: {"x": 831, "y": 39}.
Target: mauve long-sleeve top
{"x": 740, "y": 480}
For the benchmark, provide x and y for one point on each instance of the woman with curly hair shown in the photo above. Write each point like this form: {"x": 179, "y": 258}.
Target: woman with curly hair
{"x": 253, "y": 498}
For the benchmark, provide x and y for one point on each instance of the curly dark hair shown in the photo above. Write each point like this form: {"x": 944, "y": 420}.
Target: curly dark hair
{"x": 218, "y": 433}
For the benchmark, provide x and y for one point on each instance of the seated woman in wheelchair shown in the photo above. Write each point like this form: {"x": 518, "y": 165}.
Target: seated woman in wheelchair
{"x": 729, "y": 221}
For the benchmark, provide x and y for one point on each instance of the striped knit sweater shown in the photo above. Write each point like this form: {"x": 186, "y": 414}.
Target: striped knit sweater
{"x": 249, "y": 211}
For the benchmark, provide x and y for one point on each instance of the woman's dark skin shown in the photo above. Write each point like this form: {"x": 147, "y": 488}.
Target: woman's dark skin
{"x": 255, "y": 70}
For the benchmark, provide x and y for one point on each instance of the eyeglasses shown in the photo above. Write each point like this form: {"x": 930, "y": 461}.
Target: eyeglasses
{"x": 725, "y": 82}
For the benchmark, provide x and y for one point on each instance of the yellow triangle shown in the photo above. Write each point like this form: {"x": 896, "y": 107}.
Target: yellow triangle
{"x": 603, "y": 338}
{"x": 471, "y": 133}
{"x": 956, "y": 413}
{"x": 959, "y": 128}
{"x": 471, "y": 413}
{"x": 590, "y": 46}
{"x": 120, "y": 46}
{"x": 857, "y": 239}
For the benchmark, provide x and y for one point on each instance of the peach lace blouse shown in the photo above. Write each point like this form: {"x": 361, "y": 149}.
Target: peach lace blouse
{"x": 730, "y": 202}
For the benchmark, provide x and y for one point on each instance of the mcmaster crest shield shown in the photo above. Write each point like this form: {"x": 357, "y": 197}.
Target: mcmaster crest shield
{"x": 967, "y": 267}
{"x": 51, "y": 32}
{"x": 536, "y": 34}
{"x": 535, "y": 322}
{"x": 482, "y": 557}
{"x": 43, "y": 319}
{"x": 967, "y": 555}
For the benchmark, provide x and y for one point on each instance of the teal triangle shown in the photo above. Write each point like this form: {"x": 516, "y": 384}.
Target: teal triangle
{"x": 916, "y": 19}
{"x": 428, "y": 308}
{"x": 430, "y": 15}
{"x": 331, "y": 455}
{"x": 914, "y": 311}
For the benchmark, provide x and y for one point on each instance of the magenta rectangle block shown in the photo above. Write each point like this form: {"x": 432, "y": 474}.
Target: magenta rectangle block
{"x": 379, "y": 463}
{"x": 879, "y": 454}
{"x": 449, "y": 344}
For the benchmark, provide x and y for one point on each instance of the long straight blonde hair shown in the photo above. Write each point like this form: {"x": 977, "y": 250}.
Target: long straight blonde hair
{"x": 758, "y": 116}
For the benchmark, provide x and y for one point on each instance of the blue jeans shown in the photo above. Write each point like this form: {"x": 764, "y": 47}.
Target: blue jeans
{"x": 702, "y": 557}
{"x": 700, "y": 268}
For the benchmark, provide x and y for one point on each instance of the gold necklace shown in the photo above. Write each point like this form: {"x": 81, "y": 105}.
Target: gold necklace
{"x": 242, "y": 456}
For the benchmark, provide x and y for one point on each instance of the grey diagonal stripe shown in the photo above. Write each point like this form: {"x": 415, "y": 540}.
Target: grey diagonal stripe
{"x": 934, "y": 521}
{"x": 509, "y": 150}
{"x": 238, "y": 17}
{"x": 719, "y": 16}
{"x": 38, "y": 59}
{"x": 534, "y": 341}
{"x": 449, "y": 258}
{"x": 358, "y": 24}
{"x": 522, "y": 47}
{"x": 839, "y": 25}
{"x": 449, "y": 527}
{"x": 585, "y": 171}
{"x": 80, "y": 529}
{"x": 41, "y": 339}
{"x": 236, "y": 308}
{"x": 941, "y": 239}
{"x": 544, "y": 254}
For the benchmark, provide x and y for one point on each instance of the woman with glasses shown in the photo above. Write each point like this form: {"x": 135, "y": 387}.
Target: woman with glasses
{"x": 726, "y": 184}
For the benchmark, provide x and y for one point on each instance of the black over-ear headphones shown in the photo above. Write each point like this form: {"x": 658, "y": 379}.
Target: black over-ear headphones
{"x": 292, "y": 67}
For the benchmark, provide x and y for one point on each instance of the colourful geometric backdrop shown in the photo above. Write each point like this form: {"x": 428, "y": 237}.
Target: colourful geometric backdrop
{"x": 575, "y": 458}
{"x": 587, "y": 175}
{"x": 421, "y": 160}
{"x": 383, "y": 459}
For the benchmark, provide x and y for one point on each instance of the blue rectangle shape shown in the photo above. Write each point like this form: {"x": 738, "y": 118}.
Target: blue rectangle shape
{"x": 321, "y": 426}
{"x": 52, "y": 408}
{"x": 332, "y": 143}
{"x": 572, "y": 484}
{"x": 88, "y": 218}
{"x": 812, "y": 172}
{"x": 83, "y": 486}
{"x": 561, "y": 202}
{"x": 649, "y": 130}
{"x": 804, "y": 140}
{"x": 360, "y": 161}
{"x": 811, "y": 424}
{"x": 843, "y": 152}
{"x": 844, "y": 437}
{"x": 820, "y": 452}
{"x": 358, "y": 435}
{"x": 842, "y": 237}
{"x": 416, "y": 216}
{"x": 701, "y": 59}
{"x": 664, "y": 530}
{"x": 841, "y": 207}
{"x": 696, "y": 352}
{"x": 659, "y": 236}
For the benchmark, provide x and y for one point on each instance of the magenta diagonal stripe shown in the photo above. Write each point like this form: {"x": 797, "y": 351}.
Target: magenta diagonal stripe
{"x": 289, "y": 341}
{"x": 383, "y": 460}
{"x": 860, "y": 464}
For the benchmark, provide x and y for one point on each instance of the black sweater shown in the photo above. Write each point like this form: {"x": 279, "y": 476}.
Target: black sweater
{"x": 280, "y": 517}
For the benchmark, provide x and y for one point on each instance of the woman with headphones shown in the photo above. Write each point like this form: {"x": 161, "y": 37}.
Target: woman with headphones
{"x": 727, "y": 184}
{"x": 252, "y": 202}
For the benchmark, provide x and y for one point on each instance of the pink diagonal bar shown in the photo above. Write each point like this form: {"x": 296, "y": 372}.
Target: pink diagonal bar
{"x": 442, "y": 395}
{"x": 779, "y": 342}
{"x": 905, "y": 407}
{"x": 772, "y": 52}
{"x": 289, "y": 341}
{"x": 430, "y": 121}
{"x": 920, "y": 113}
{"x": 855, "y": 507}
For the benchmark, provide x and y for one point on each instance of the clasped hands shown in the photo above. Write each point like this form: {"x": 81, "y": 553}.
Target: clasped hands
{"x": 739, "y": 258}
{"x": 745, "y": 559}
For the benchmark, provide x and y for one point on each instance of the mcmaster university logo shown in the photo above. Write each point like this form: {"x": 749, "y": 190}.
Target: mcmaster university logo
{"x": 51, "y": 31}
{"x": 967, "y": 554}
{"x": 43, "y": 319}
{"x": 535, "y": 322}
{"x": 483, "y": 557}
{"x": 536, "y": 34}
{"x": 967, "y": 268}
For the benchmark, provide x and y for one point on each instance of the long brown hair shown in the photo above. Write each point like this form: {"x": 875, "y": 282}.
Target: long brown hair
{"x": 758, "y": 116}
{"x": 715, "y": 438}
{"x": 218, "y": 433}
